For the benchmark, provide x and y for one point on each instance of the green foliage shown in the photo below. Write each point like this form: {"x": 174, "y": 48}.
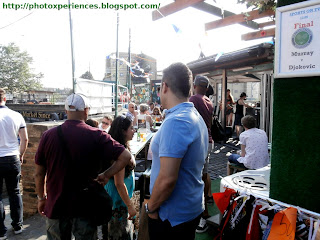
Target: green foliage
{"x": 262, "y": 5}
{"x": 87, "y": 75}
{"x": 15, "y": 71}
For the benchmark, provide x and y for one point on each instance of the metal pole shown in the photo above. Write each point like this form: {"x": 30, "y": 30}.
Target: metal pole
{"x": 117, "y": 58}
{"x": 223, "y": 98}
{"x": 129, "y": 60}
{"x": 72, "y": 52}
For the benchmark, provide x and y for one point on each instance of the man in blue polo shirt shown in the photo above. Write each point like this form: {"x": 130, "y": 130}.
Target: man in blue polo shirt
{"x": 179, "y": 150}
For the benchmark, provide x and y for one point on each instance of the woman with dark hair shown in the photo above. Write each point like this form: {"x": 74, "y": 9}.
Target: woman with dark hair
{"x": 229, "y": 112}
{"x": 156, "y": 113}
{"x": 121, "y": 187}
{"x": 240, "y": 104}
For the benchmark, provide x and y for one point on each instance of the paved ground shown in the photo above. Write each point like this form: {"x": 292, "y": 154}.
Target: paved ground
{"x": 219, "y": 158}
{"x": 34, "y": 227}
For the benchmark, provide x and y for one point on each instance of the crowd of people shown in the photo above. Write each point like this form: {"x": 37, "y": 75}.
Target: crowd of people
{"x": 83, "y": 150}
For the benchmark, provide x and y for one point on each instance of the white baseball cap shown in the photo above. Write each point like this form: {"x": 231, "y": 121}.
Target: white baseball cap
{"x": 78, "y": 101}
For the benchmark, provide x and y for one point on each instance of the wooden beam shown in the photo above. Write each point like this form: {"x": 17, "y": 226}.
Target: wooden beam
{"x": 172, "y": 8}
{"x": 240, "y": 18}
{"x": 265, "y": 24}
{"x": 217, "y": 12}
{"x": 258, "y": 68}
{"x": 258, "y": 34}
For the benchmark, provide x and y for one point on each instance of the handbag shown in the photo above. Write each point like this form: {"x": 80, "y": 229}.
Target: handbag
{"x": 93, "y": 201}
{"x": 217, "y": 131}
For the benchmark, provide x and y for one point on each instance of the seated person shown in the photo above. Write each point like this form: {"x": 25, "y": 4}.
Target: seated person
{"x": 144, "y": 120}
{"x": 106, "y": 123}
{"x": 254, "y": 146}
{"x": 151, "y": 107}
{"x": 132, "y": 113}
{"x": 156, "y": 113}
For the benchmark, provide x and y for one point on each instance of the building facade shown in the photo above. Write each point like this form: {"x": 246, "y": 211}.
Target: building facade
{"x": 138, "y": 62}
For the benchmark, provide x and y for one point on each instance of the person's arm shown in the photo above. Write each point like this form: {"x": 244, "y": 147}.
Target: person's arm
{"x": 164, "y": 184}
{"x": 39, "y": 180}
{"x": 149, "y": 119}
{"x": 232, "y": 101}
{"x": 23, "y": 142}
{"x": 241, "y": 102}
{"x": 243, "y": 150}
{"x": 135, "y": 120}
{"x": 123, "y": 160}
{"x": 123, "y": 192}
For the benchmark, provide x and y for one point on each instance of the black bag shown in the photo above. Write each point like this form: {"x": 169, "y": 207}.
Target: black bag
{"x": 217, "y": 131}
{"x": 92, "y": 201}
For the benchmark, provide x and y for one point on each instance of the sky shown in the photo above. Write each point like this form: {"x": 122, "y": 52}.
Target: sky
{"x": 45, "y": 35}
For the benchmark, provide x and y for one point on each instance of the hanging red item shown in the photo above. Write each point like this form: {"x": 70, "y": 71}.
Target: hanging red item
{"x": 254, "y": 230}
{"x": 222, "y": 199}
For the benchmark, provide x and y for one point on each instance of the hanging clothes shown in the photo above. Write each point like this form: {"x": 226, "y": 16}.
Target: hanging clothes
{"x": 254, "y": 230}
{"x": 239, "y": 219}
{"x": 247, "y": 218}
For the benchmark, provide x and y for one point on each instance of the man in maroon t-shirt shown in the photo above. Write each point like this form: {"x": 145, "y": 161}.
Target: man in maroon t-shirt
{"x": 204, "y": 106}
{"x": 91, "y": 152}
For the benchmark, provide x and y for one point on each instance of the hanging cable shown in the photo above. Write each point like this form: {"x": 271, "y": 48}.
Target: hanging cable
{"x": 15, "y": 21}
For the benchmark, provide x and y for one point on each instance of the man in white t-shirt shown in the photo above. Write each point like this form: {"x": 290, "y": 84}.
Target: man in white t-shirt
{"x": 12, "y": 125}
{"x": 254, "y": 146}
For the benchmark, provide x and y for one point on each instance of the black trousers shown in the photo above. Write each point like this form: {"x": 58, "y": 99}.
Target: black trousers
{"x": 159, "y": 230}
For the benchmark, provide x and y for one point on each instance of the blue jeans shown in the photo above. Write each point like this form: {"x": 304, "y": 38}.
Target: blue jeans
{"x": 10, "y": 171}
{"x": 233, "y": 158}
{"x": 61, "y": 229}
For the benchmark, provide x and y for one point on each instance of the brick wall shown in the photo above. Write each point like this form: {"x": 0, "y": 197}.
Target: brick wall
{"x": 35, "y": 131}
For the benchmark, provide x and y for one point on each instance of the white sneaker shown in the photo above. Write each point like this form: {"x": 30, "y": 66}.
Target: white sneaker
{"x": 17, "y": 230}
{"x": 202, "y": 227}
{"x": 3, "y": 237}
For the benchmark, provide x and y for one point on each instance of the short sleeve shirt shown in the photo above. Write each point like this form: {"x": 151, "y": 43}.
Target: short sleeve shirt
{"x": 204, "y": 106}
{"x": 91, "y": 151}
{"x": 10, "y": 124}
{"x": 130, "y": 115}
{"x": 256, "y": 146}
{"x": 183, "y": 134}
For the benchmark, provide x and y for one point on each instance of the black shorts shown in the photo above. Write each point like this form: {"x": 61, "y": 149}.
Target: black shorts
{"x": 229, "y": 111}
{"x": 237, "y": 120}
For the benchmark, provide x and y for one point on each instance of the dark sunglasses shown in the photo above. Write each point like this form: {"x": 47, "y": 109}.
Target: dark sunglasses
{"x": 105, "y": 123}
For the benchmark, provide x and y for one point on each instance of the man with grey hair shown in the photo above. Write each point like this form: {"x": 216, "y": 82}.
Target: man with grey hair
{"x": 132, "y": 113}
{"x": 12, "y": 125}
{"x": 91, "y": 152}
{"x": 179, "y": 150}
